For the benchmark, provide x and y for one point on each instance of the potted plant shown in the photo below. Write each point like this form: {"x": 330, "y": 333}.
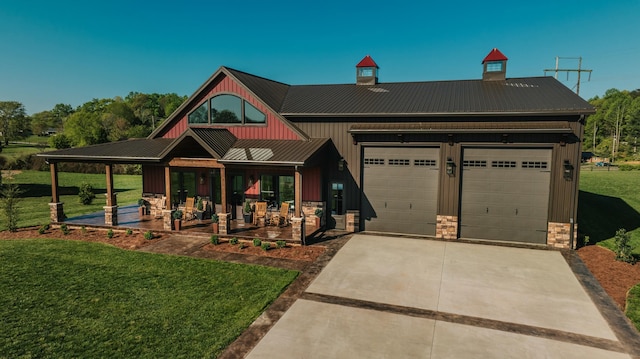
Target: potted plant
{"x": 318, "y": 214}
{"x": 247, "y": 212}
{"x": 142, "y": 207}
{"x": 199, "y": 209}
{"x": 177, "y": 219}
{"x": 214, "y": 223}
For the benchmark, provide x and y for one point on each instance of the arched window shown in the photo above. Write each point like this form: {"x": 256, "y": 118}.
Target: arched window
{"x": 226, "y": 109}
{"x": 199, "y": 115}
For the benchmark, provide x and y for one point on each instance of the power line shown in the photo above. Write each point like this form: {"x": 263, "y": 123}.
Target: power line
{"x": 579, "y": 70}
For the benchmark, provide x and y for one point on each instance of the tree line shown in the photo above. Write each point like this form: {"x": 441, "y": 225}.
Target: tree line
{"x": 613, "y": 131}
{"x": 96, "y": 121}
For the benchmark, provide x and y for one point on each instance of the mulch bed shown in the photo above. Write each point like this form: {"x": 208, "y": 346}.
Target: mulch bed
{"x": 615, "y": 277}
{"x": 298, "y": 253}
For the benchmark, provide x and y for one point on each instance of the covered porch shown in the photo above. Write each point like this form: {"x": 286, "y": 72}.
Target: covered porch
{"x": 129, "y": 218}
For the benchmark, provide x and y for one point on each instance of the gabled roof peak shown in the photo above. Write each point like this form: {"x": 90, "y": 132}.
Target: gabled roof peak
{"x": 367, "y": 61}
{"x": 495, "y": 55}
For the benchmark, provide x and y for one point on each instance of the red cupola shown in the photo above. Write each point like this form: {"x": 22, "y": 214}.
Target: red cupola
{"x": 367, "y": 72}
{"x": 495, "y": 66}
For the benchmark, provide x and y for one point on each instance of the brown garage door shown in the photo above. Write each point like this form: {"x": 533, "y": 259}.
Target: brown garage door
{"x": 505, "y": 194}
{"x": 400, "y": 189}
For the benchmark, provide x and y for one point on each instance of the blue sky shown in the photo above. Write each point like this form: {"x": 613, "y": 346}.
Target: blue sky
{"x": 72, "y": 51}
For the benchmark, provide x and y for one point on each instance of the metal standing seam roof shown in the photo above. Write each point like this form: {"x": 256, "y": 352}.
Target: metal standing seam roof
{"x": 273, "y": 152}
{"x": 462, "y": 127}
{"x": 516, "y": 96}
{"x": 271, "y": 92}
{"x": 216, "y": 141}
{"x": 134, "y": 150}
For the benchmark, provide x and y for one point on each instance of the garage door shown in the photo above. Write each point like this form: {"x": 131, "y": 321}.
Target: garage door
{"x": 400, "y": 187}
{"x": 505, "y": 194}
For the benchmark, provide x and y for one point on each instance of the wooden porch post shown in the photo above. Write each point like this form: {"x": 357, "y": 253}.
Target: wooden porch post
{"x": 223, "y": 189}
{"x": 111, "y": 200}
{"x": 53, "y": 167}
{"x": 56, "y": 212}
{"x": 167, "y": 186}
{"x": 111, "y": 209}
{"x": 298, "y": 192}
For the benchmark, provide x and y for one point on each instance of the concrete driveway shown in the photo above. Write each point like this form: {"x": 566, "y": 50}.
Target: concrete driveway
{"x": 385, "y": 297}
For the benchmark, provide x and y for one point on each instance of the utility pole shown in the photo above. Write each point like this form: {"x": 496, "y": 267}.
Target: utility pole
{"x": 579, "y": 70}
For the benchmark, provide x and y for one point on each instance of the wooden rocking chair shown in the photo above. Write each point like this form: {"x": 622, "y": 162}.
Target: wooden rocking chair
{"x": 190, "y": 209}
{"x": 283, "y": 216}
{"x": 261, "y": 212}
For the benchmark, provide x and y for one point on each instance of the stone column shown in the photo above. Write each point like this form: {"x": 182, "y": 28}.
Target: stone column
{"x": 298, "y": 229}
{"x": 56, "y": 213}
{"x": 111, "y": 215}
{"x": 167, "y": 219}
{"x": 353, "y": 221}
{"x": 559, "y": 235}
{"x": 224, "y": 223}
{"x": 447, "y": 227}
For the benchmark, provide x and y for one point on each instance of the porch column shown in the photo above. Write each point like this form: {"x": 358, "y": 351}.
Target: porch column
{"x": 56, "y": 212}
{"x": 223, "y": 189}
{"x": 298, "y": 193}
{"x": 111, "y": 209}
{"x": 167, "y": 186}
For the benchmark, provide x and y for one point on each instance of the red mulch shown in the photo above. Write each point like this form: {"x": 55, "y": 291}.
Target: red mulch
{"x": 136, "y": 241}
{"x": 615, "y": 277}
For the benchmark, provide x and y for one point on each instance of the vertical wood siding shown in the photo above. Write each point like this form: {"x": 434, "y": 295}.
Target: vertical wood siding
{"x": 312, "y": 184}
{"x": 274, "y": 128}
{"x": 152, "y": 179}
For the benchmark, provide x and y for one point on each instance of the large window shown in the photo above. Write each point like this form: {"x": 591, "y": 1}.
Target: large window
{"x": 183, "y": 185}
{"x": 226, "y": 109}
{"x": 277, "y": 189}
{"x": 200, "y": 115}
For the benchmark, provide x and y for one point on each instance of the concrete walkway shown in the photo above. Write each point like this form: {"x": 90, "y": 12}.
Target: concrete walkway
{"x": 383, "y": 297}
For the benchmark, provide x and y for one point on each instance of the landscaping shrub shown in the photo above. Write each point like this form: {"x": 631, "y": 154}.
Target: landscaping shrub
{"x": 241, "y": 245}
{"x": 265, "y": 246}
{"x": 233, "y": 241}
{"x": 628, "y": 167}
{"x": 257, "y": 242}
{"x": 85, "y": 193}
{"x": 214, "y": 240}
{"x": 83, "y": 229}
{"x": 43, "y": 228}
{"x": 65, "y": 229}
{"x": 622, "y": 247}
{"x": 11, "y": 197}
{"x": 148, "y": 235}
{"x": 281, "y": 244}
{"x": 129, "y": 232}
{"x": 110, "y": 233}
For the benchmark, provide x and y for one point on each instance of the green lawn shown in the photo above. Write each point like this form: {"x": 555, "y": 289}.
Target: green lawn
{"x": 609, "y": 201}
{"x": 633, "y": 306}
{"x": 34, "y": 208}
{"x": 15, "y": 150}
{"x": 71, "y": 299}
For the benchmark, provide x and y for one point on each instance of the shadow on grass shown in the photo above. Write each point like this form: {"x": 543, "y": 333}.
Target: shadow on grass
{"x": 44, "y": 190}
{"x": 599, "y": 216}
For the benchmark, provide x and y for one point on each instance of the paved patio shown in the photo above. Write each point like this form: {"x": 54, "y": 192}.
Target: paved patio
{"x": 128, "y": 217}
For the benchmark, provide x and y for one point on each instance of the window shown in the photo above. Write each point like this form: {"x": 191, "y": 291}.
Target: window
{"x": 428, "y": 163}
{"x": 534, "y": 164}
{"x": 503, "y": 164}
{"x": 200, "y": 115}
{"x": 252, "y": 114}
{"x": 277, "y": 189}
{"x": 183, "y": 185}
{"x": 495, "y": 66}
{"x": 365, "y": 72}
{"x": 399, "y": 162}
{"x": 374, "y": 161}
{"x": 226, "y": 109}
{"x": 474, "y": 163}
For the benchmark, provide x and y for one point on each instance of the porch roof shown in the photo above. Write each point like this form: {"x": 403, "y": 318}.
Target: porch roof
{"x": 139, "y": 150}
{"x": 274, "y": 152}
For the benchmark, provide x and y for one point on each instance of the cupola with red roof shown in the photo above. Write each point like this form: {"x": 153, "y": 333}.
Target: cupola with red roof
{"x": 495, "y": 66}
{"x": 367, "y": 72}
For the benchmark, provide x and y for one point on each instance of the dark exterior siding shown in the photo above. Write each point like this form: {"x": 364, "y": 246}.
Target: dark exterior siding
{"x": 449, "y": 195}
{"x": 312, "y": 184}
{"x": 152, "y": 179}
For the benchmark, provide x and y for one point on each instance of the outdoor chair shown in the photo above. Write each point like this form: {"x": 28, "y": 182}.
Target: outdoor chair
{"x": 190, "y": 209}
{"x": 261, "y": 212}
{"x": 282, "y": 216}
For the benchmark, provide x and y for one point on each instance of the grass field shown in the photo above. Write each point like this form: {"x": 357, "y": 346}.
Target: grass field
{"x": 34, "y": 208}
{"x": 70, "y": 299}
{"x": 15, "y": 150}
{"x": 609, "y": 201}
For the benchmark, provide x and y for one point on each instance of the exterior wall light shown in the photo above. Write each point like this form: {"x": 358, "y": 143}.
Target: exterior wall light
{"x": 203, "y": 177}
{"x": 567, "y": 170}
{"x": 341, "y": 164}
{"x": 450, "y": 167}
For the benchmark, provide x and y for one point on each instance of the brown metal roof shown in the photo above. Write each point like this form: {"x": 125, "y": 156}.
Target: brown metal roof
{"x": 215, "y": 141}
{"x": 273, "y": 152}
{"x": 129, "y": 151}
{"x": 517, "y": 96}
{"x": 461, "y": 127}
{"x": 271, "y": 92}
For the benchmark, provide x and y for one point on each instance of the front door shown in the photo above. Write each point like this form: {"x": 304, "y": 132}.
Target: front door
{"x": 337, "y": 206}
{"x": 236, "y": 196}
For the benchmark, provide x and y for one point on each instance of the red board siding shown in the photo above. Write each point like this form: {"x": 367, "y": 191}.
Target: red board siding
{"x": 152, "y": 179}
{"x": 312, "y": 184}
{"x": 274, "y": 129}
